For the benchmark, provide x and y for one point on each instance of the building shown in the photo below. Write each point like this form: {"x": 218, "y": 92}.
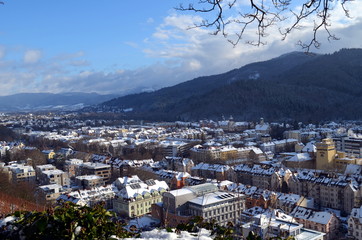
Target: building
{"x": 175, "y": 148}
{"x": 270, "y": 224}
{"x": 91, "y": 197}
{"x": 350, "y": 145}
{"x": 214, "y": 171}
{"x": 322, "y": 221}
{"x": 328, "y": 158}
{"x": 179, "y": 164}
{"x": 49, "y": 192}
{"x": 207, "y": 153}
{"x": 326, "y": 152}
{"x": 135, "y": 197}
{"x": 54, "y": 176}
{"x": 20, "y": 172}
{"x": 49, "y": 154}
{"x": 89, "y": 181}
{"x": 288, "y": 202}
{"x": 329, "y": 191}
{"x": 355, "y": 223}
{"x": 203, "y": 200}
{"x": 40, "y": 168}
{"x": 224, "y": 207}
{"x": 174, "y": 179}
{"x": 99, "y": 169}
{"x": 71, "y": 166}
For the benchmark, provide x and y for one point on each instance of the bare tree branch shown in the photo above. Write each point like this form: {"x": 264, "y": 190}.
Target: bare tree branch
{"x": 262, "y": 15}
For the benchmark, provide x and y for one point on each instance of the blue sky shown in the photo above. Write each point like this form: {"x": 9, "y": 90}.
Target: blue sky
{"x": 103, "y": 30}
{"x": 124, "y": 46}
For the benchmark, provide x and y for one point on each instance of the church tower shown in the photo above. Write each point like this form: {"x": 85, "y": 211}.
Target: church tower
{"x": 326, "y": 153}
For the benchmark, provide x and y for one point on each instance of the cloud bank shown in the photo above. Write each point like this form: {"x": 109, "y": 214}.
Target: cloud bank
{"x": 180, "y": 54}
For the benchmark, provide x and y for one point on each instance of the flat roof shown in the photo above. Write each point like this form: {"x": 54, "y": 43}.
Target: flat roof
{"x": 307, "y": 234}
{"x": 211, "y": 198}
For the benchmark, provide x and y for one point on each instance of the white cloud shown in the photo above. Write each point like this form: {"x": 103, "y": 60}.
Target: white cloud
{"x": 32, "y": 56}
{"x": 182, "y": 54}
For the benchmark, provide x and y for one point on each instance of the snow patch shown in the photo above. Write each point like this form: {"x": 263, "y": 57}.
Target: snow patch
{"x": 157, "y": 234}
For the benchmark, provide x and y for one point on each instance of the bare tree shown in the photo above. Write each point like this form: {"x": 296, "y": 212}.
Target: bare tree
{"x": 224, "y": 16}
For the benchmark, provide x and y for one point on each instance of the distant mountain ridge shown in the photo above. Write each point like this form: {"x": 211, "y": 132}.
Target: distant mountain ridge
{"x": 50, "y": 101}
{"x": 292, "y": 86}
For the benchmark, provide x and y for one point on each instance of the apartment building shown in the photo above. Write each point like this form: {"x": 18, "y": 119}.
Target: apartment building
{"x": 205, "y": 153}
{"x": 215, "y": 171}
{"x": 55, "y": 176}
{"x": 89, "y": 181}
{"x": 99, "y": 169}
{"x": 50, "y": 192}
{"x": 338, "y": 192}
{"x": 351, "y": 145}
{"x": 20, "y": 172}
{"x": 71, "y": 166}
{"x": 40, "y": 168}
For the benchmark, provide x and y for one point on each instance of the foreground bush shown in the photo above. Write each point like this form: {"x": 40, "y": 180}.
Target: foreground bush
{"x": 67, "y": 221}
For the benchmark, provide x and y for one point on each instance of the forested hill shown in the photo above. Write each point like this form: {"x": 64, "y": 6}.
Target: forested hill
{"x": 292, "y": 86}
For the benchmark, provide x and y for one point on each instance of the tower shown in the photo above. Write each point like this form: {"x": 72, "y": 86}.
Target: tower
{"x": 326, "y": 153}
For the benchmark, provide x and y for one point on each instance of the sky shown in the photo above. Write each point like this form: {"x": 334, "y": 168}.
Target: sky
{"x": 127, "y": 46}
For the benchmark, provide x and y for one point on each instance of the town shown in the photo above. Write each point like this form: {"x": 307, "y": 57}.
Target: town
{"x": 276, "y": 179}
